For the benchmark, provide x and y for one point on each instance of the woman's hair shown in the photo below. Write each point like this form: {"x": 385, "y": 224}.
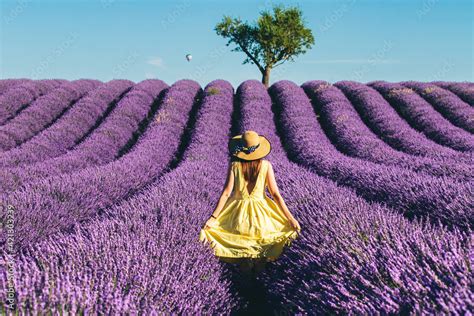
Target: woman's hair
{"x": 250, "y": 169}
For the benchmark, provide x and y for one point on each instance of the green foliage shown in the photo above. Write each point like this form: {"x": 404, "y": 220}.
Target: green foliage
{"x": 272, "y": 40}
{"x": 212, "y": 91}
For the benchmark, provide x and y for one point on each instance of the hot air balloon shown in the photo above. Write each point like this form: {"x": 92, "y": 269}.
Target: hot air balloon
{"x": 189, "y": 57}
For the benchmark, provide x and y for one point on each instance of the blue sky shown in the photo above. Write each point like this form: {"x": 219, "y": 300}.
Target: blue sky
{"x": 354, "y": 40}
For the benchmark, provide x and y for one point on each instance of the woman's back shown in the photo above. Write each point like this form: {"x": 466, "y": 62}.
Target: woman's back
{"x": 250, "y": 225}
{"x": 246, "y": 190}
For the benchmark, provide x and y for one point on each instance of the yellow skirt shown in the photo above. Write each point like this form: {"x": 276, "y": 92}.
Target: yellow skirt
{"x": 249, "y": 228}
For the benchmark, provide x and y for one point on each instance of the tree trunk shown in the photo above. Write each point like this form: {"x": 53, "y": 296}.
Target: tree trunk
{"x": 266, "y": 76}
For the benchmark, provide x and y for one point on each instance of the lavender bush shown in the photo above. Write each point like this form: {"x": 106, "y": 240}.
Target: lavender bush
{"x": 422, "y": 195}
{"x": 421, "y": 116}
{"x": 42, "y": 113}
{"x": 21, "y": 95}
{"x": 464, "y": 90}
{"x": 162, "y": 273}
{"x": 69, "y": 129}
{"x": 100, "y": 147}
{"x": 6, "y": 84}
{"x": 122, "y": 237}
{"x": 384, "y": 121}
{"x": 447, "y": 103}
{"x": 351, "y": 136}
{"x": 68, "y": 199}
{"x": 353, "y": 256}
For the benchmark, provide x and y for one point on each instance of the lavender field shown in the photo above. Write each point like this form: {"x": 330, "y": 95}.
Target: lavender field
{"x": 104, "y": 187}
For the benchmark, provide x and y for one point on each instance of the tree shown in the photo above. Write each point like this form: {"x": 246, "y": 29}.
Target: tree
{"x": 271, "y": 41}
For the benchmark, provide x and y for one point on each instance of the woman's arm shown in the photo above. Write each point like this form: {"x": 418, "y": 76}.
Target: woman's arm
{"x": 226, "y": 191}
{"x": 273, "y": 189}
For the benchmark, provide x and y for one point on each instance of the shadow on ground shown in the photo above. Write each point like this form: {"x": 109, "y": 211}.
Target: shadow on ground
{"x": 254, "y": 294}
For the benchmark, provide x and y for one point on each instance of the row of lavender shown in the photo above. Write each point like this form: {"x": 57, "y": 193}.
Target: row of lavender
{"x": 183, "y": 184}
{"x": 345, "y": 128}
{"x": 74, "y": 160}
{"x": 140, "y": 273}
{"x": 353, "y": 256}
{"x": 102, "y": 146}
{"x": 137, "y": 218}
{"x": 392, "y": 128}
{"x": 42, "y": 113}
{"x": 354, "y": 137}
{"x": 422, "y": 116}
{"x": 67, "y": 130}
{"x": 16, "y": 95}
{"x": 72, "y": 197}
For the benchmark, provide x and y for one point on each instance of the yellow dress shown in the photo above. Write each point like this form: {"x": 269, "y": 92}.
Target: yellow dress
{"x": 250, "y": 225}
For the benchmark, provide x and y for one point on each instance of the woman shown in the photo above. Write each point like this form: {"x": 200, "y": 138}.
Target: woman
{"x": 246, "y": 226}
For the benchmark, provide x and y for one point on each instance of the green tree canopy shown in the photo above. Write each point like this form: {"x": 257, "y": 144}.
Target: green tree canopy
{"x": 271, "y": 41}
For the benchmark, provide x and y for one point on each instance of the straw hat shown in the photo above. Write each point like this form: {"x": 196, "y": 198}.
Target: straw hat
{"x": 249, "y": 146}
